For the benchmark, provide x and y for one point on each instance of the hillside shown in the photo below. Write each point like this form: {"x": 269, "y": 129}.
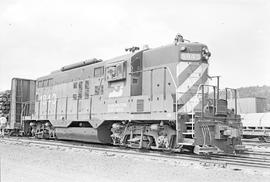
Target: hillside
{"x": 254, "y": 91}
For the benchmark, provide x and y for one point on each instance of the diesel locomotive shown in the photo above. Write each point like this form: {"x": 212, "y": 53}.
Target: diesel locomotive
{"x": 155, "y": 98}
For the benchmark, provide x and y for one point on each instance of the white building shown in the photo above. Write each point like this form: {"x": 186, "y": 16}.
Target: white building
{"x": 249, "y": 105}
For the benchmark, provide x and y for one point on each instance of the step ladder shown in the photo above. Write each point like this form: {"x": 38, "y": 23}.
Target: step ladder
{"x": 186, "y": 129}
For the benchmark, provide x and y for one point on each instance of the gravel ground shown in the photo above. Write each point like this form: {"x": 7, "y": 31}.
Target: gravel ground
{"x": 24, "y": 162}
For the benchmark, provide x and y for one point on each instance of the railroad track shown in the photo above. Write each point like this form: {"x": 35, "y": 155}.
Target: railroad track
{"x": 256, "y": 142}
{"x": 261, "y": 155}
{"x": 235, "y": 162}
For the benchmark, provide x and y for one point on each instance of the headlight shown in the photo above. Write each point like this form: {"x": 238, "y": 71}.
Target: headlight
{"x": 183, "y": 48}
{"x": 205, "y": 53}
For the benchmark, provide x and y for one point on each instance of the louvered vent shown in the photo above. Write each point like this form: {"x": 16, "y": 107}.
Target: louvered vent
{"x": 140, "y": 103}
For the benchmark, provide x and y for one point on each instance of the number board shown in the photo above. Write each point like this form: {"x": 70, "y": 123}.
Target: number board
{"x": 190, "y": 56}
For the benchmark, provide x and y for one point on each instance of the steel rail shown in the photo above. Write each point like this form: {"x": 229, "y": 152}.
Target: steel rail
{"x": 215, "y": 160}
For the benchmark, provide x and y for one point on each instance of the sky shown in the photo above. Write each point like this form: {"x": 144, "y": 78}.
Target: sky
{"x": 38, "y": 37}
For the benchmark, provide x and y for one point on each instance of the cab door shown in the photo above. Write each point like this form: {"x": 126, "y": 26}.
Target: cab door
{"x": 136, "y": 74}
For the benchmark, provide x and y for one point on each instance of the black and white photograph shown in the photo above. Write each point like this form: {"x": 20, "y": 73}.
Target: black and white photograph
{"x": 134, "y": 91}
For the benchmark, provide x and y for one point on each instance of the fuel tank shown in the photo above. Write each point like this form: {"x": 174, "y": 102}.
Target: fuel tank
{"x": 77, "y": 134}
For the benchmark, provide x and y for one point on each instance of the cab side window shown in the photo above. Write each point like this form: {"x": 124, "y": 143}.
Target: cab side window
{"x": 116, "y": 71}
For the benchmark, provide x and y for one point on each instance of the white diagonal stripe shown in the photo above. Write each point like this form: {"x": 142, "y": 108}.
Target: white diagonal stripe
{"x": 181, "y": 67}
{"x": 191, "y": 104}
{"x": 192, "y": 79}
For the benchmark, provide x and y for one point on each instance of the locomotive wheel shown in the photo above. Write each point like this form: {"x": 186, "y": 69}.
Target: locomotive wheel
{"x": 262, "y": 139}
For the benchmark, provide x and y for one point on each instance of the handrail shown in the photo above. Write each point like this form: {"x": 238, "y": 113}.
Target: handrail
{"x": 235, "y": 98}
